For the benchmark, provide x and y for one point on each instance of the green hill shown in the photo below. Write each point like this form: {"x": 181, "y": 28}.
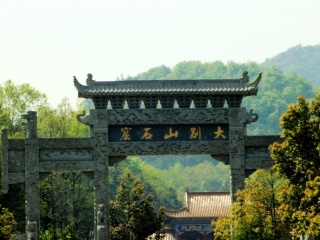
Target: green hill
{"x": 298, "y": 59}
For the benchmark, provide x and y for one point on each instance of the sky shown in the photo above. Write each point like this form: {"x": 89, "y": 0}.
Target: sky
{"x": 45, "y": 43}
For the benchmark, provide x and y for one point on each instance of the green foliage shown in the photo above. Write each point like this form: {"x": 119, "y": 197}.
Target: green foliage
{"x": 167, "y": 161}
{"x": 61, "y": 122}
{"x": 66, "y": 198}
{"x": 132, "y": 214}
{"x": 14, "y": 101}
{"x": 213, "y": 178}
{"x": 298, "y": 59}
{"x": 14, "y": 200}
{"x": 298, "y": 158}
{"x": 256, "y": 214}
{"x": 7, "y": 224}
{"x": 168, "y": 185}
{"x": 154, "y": 181}
{"x": 45, "y": 235}
{"x": 66, "y": 203}
{"x": 70, "y": 233}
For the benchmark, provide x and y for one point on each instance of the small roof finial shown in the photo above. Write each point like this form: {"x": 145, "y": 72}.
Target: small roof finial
{"x": 89, "y": 81}
{"x": 245, "y": 77}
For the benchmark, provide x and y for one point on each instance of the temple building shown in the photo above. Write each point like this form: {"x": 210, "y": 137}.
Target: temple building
{"x": 193, "y": 221}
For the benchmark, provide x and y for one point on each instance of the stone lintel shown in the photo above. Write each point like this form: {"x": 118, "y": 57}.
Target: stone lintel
{"x": 259, "y": 163}
{"x": 46, "y": 143}
{"x": 167, "y": 116}
{"x": 70, "y": 166}
{"x": 263, "y": 141}
{"x": 166, "y": 148}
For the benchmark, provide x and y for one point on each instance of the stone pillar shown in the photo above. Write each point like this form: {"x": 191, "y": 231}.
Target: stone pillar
{"x": 32, "y": 179}
{"x": 4, "y": 162}
{"x": 101, "y": 161}
{"x": 32, "y": 188}
{"x": 237, "y": 153}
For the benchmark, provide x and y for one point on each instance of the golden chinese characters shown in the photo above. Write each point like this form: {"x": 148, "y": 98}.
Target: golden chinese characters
{"x": 195, "y": 132}
{"x": 219, "y": 133}
{"x": 171, "y": 134}
{"x": 125, "y": 134}
{"x": 147, "y": 135}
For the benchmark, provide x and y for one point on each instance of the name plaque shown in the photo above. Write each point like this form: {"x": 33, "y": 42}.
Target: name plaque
{"x": 183, "y": 132}
{"x": 190, "y": 228}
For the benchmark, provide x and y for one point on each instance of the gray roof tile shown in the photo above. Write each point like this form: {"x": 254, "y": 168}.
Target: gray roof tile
{"x": 163, "y": 87}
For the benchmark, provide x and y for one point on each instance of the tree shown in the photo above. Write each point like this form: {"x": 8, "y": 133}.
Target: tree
{"x": 256, "y": 214}
{"x": 7, "y": 224}
{"x": 14, "y": 101}
{"x": 66, "y": 198}
{"x": 298, "y": 159}
{"x": 154, "y": 181}
{"x": 132, "y": 214}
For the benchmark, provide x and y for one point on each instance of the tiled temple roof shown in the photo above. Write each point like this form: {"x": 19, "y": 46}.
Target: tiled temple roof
{"x": 203, "y": 205}
{"x": 164, "y": 87}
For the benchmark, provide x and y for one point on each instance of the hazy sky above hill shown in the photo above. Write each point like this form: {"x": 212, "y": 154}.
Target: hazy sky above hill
{"x": 45, "y": 43}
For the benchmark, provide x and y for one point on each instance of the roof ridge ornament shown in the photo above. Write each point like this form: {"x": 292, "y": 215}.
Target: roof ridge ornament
{"x": 256, "y": 82}
{"x": 90, "y": 81}
{"x": 245, "y": 77}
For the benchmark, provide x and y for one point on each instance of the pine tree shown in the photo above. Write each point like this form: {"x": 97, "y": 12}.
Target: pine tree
{"x": 132, "y": 215}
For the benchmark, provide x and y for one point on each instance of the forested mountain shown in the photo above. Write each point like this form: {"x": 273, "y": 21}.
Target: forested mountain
{"x": 298, "y": 59}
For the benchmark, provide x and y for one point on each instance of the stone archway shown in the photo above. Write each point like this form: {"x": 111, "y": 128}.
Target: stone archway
{"x": 117, "y": 133}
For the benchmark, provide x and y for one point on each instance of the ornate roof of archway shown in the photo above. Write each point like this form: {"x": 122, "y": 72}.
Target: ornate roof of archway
{"x": 167, "y": 91}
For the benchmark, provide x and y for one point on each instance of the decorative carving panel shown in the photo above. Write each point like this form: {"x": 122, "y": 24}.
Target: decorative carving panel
{"x": 167, "y": 116}
{"x": 15, "y": 178}
{"x": 70, "y": 166}
{"x": 254, "y": 152}
{"x": 259, "y": 163}
{"x": 16, "y": 161}
{"x": 163, "y": 148}
{"x": 261, "y": 140}
{"x": 70, "y": 154}
{"x": 65, "y": 143}
{"x": 16, "y": 143}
